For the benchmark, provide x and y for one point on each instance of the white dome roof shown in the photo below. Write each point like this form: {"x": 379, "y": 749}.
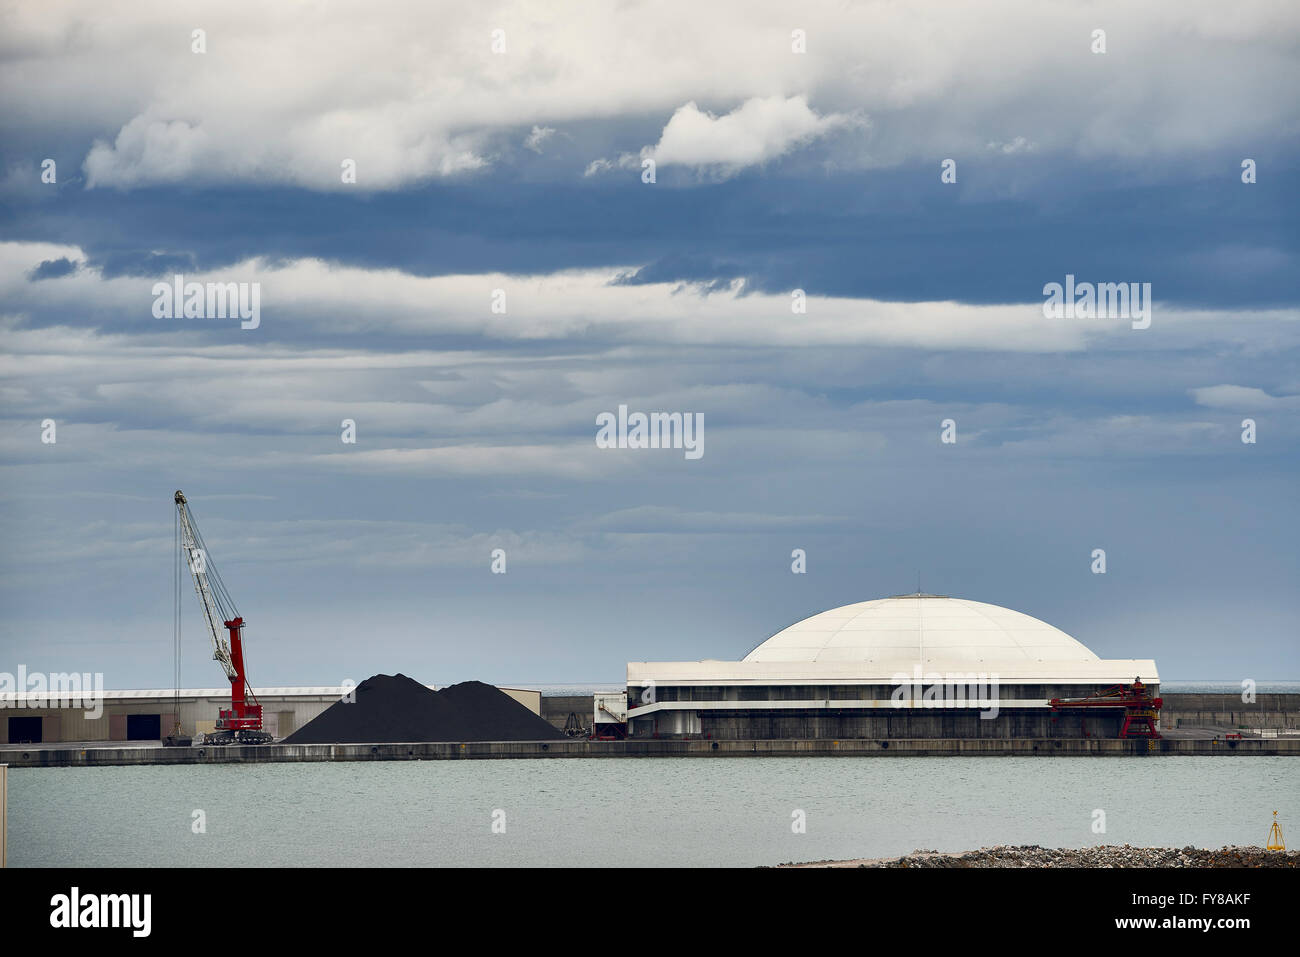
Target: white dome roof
{"x": 929, "y": 629}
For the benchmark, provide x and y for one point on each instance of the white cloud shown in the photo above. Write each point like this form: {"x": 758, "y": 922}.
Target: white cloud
{"x": 1240, "y": 398}
{"x": 622, "y": 161}
{"x": 148, "y": 151}
{"x": 153, "y": 150}
{"x": 537, "y": 137}
{"x": 284, "y": 94}
{"x": 584, "y": 304}
{"x": 1017, "y": 145}
{"x": 756, "y": 131}
{"x": 174, "y": 388}
{"x": 576, "y": 303}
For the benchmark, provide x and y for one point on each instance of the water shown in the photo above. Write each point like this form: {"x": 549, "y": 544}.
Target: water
{"x": 628, "y": 811}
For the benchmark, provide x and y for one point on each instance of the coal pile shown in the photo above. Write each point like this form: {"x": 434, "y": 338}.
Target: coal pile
{"x": 395, "y": 708}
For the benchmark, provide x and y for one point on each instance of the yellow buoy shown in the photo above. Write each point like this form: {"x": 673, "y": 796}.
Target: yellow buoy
{"x": 1275, "y": 842}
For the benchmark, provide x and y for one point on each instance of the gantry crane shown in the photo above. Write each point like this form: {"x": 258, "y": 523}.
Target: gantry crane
{"x": 1140, "y": 708}
{"x": 242, "y": 724}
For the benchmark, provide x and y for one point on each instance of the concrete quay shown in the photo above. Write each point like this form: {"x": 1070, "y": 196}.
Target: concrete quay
{"x": 1229, "y": 712}
{"x": 29, "y": 756}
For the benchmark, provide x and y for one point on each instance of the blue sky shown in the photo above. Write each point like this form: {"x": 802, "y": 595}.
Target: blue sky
{"x": 522, "y": 171}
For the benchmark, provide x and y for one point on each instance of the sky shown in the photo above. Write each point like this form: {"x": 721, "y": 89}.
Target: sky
{"x": 448, "y": 215}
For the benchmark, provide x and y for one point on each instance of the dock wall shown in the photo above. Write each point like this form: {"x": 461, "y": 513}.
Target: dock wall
{"x": 662, "y": 748}
{"x": 1229, "y": 711}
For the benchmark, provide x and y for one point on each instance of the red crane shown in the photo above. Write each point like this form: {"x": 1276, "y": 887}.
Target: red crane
{"x": 1140, "y": 709}
{"x": 242, "y": 724}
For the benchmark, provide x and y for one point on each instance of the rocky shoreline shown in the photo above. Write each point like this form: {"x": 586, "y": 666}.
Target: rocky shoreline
{"x": 1101, "y": 856}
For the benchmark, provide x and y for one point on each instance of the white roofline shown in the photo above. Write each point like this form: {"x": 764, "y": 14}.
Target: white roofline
{"x": 1019, "y": 671}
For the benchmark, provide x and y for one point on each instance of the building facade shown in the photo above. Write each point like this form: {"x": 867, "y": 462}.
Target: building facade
{"x": 149, "y": 715}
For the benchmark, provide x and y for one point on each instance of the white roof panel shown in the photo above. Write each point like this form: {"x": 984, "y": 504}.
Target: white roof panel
{"x": 919, "y": 627}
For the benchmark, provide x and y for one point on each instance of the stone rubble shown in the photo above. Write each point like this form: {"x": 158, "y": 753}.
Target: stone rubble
{"x": 1100, "y": 856}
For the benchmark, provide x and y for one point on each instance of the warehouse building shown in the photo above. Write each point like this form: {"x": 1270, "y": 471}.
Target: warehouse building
{"x": 43, "y": 718}
{"x": 909, "y": 666}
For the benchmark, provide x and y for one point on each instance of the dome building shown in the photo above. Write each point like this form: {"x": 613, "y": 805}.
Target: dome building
{"x": 910, "y": 666}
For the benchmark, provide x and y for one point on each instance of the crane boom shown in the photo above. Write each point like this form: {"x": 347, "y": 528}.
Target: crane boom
{"x": 243, "y": 722}
{"x": 196, "y": 558}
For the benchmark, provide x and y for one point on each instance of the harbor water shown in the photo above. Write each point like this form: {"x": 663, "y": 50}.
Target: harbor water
{"x": 671, "y": 812}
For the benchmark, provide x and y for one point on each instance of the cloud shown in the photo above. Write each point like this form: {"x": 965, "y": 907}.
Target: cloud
{"x": 148, "y": 150}
{"x": 386, "y": 152}
{"x": 1240, "y": 398}
{"x": 573, "y": 462}
{"x": 144, "y": 263}
{"x": 312, "y": 299}
{"x": 303, "y": 542}
{"x": 284, "y": 98}
{"x": 53, "y": 269}
{"x": 708, "y": 274}
{"x": 650, "y": 519}
{"x": 515, "y": 395}
{"x": 595, "y": 305}
{"x": 759, "y": 130}
{"x": 537, "y": 137}
{"x": 603, "y": 165}
{"x": 1017, "y": 145}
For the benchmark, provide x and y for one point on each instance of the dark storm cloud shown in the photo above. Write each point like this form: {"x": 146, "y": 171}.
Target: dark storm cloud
{"x": 141, "y": 263}
{"x": 896, "y": 235}
{"x": 53, "y": 269}
{"x": 712, "y": 275}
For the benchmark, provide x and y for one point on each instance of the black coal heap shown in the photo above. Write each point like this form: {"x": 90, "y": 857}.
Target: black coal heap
{"x": 395, "y": 708}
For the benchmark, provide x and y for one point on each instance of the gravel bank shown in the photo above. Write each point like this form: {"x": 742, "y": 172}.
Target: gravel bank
{"x": 1102, "y": 856}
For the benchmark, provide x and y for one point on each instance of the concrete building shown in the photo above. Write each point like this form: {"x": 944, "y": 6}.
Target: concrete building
{"x": 34, "y": 717}
{"x": 910, "y": 666}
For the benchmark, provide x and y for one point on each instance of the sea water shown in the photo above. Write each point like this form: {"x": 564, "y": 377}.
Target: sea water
{"x": 659, "y": 812}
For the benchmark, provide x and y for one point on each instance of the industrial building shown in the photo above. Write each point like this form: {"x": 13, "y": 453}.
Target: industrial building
{"x": 36, "y": 718}
{"x": 909, "y": 666}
